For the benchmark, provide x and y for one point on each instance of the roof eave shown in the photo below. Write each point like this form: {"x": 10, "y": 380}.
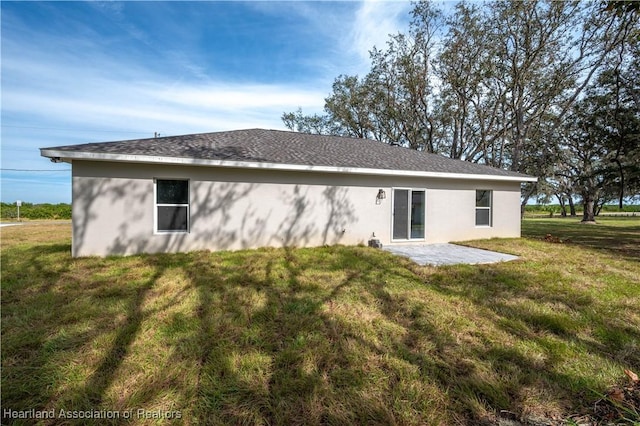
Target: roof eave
{"x": 186, "y": 161}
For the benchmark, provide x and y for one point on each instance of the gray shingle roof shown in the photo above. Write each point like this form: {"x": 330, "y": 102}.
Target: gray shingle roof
{"x": 282, "y": 147}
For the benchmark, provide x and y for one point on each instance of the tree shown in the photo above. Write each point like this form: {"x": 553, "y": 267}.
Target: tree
{"x": 602, "y": 144}
{"x": 349, "y": 108}
{"x": 313, "y": 124}
{"x": 393, "y": 102}
{"x": 584, "y": 154}
{"x": 401, "y": 79}
{"x": 619, "y": 89}
{"x": 468, "y": 122}
{"x": 621, "y": 7}
{"x": 495, "y": 89}
{"x": 511, "y": 72}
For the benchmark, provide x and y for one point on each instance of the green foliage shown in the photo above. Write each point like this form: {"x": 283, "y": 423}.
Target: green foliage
{"x": 608, "y": 208}
{"x": 556, "y": 209}
{"x": 35, "y": 211}
{"x": 312, "y": 124}
{"x": 543, "y": 208}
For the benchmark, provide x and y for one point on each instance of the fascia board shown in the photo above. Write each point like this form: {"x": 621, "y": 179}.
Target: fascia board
{"x": 150, "y": 159}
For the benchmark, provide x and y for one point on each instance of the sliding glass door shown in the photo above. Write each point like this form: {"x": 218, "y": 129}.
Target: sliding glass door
{"x": 408, "y": 214}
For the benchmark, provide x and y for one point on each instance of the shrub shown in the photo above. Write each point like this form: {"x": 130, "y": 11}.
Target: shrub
{"x": 36, "y": 211}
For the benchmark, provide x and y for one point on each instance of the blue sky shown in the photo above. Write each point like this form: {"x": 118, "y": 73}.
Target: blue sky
{"x": 76, "y": 72}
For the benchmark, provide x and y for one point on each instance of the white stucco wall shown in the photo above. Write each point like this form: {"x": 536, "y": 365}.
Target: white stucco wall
{"x": 451, "y": 211}
{"x": 113, "y": 208}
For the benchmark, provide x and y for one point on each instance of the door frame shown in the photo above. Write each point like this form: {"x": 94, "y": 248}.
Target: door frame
{"x": 392, "y": 207}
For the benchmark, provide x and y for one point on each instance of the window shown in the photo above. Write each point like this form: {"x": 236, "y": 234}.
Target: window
{"x": 172, "y": 205}
{"x": 483, "y": 207}
{"x": 408, "y": 214}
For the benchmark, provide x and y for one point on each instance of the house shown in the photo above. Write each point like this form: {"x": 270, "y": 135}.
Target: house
{"x": 254, "y": 188}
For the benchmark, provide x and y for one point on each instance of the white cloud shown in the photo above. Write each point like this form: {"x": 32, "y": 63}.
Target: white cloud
{"x": 235, "y": 97}
{"x": 353, "y": 28}
{"x": 374, "y": 22}
{"x": 148, "y": 105}
{"x": 104, "y": 95}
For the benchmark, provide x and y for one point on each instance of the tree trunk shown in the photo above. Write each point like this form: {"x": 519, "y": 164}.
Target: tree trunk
{"x": 572, "y": 207}
{"x": 598, "y": 206}
{"x": 621, "y": 203}
{"x": 621, "y": 190}
{"x": 563, "y": 206}
{"x": 588, "y": 214}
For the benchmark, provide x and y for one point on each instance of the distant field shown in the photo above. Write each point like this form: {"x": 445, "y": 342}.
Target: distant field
{"x": 554, "y": 210}
{"x": 330, "y": 335}
{"x": 607, "y": 208}
{"x": 546, "y": 214}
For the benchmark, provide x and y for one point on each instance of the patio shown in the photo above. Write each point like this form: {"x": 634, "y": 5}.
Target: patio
{"x": 447, "y": 254}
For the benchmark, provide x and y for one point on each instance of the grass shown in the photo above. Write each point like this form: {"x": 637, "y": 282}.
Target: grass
{"x": 331, "y": 335}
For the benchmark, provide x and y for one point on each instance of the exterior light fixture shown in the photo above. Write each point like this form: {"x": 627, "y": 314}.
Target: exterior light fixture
{"x": 381, "y": 195}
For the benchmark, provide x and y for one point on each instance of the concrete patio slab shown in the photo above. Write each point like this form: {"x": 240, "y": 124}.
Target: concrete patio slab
{"x": 447, "y": 254}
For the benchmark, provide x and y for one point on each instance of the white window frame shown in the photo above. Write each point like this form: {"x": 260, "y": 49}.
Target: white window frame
{"x": 489, "y": 208}
{"x": 411, "y": 190}
{"x": 156, "y": 205}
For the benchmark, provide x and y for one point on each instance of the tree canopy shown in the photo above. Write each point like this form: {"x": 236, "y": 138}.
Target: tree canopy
{"x": 528, "y": 86}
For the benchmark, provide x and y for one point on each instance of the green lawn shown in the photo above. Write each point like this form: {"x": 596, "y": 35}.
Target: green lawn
{"x": 332, "y": 335}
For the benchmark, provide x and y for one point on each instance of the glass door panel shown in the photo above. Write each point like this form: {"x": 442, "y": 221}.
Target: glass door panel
{"x": 400, "y": 214}
{"x": 417, "y": 214}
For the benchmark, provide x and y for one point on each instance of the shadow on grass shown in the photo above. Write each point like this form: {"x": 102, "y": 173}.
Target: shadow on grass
{"x": 28, "y": 317}
{"x": 58, "y": 308}
{"x": 333, "y": 335}
{"x": 604, "y": 236}
{"x": 282, "y": 361}
{"x": 546, "y": 332}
